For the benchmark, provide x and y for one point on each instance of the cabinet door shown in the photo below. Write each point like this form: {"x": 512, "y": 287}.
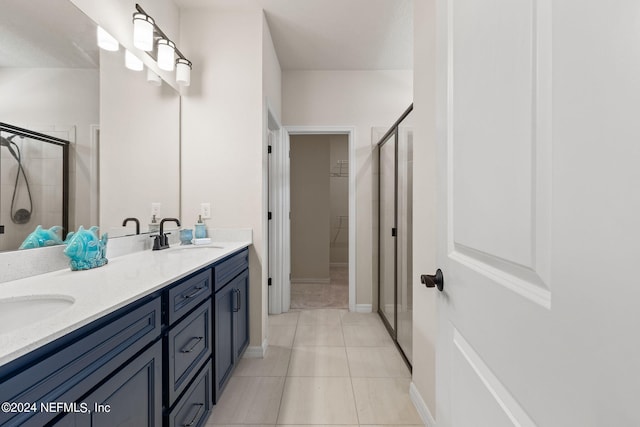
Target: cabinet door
{"x": 131, "y": 398}
{"x": 241, "y": 332}
{"x": 225, "y": 305}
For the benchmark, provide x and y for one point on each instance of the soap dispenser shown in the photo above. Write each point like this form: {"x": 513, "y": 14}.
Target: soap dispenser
{"x": 201, "y": 228}
{"x": 154, "y": 225}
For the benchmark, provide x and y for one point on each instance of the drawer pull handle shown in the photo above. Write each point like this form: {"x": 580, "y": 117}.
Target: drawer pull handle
{"x": 195, "y": 292}
{"x": 196, "y": 416}
{"x": 194, "y": 342}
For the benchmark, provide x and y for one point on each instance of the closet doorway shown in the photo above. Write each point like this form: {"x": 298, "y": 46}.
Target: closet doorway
{"x": 319, "y": 174}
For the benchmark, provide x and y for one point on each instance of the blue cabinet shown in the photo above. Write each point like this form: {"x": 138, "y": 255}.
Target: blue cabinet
{"x": 195, "y": 405}
{"x": 231, "y": 307}
{"x": 241, "y": 327}
{"x": 224, "y": 359}
{"x": 158, "y": 361}
{"x": 187, "y": 294}
{"x": 131, "y": 397}
{"x": 67, "y": 369}
{"x": 189, "y": 347}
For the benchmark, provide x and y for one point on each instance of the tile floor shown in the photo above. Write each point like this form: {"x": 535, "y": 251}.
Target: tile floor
{"x": 334, "y": 294}
{"x": 322, "y": 367}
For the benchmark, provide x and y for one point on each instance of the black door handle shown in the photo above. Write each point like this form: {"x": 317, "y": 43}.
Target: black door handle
{"x": 433, "y": 281}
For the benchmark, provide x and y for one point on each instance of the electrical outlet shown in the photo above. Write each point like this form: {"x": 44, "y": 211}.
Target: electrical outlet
{"x": 155, "y": 209}
{"x": 205, "y": 210}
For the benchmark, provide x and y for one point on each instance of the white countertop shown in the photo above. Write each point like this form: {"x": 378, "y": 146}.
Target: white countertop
{"x": 101, "y": 291}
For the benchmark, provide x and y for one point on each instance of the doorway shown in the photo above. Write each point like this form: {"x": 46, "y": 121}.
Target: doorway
{"x": 279, "y": 204}
{"x": 319, "y": 195}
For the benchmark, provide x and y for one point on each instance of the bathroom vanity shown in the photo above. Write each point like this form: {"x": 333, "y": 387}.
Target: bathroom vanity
{"x": 150, "y": 339}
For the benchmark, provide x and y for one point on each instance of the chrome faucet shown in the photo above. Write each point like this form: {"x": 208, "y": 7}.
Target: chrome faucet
{"x": 161, "y": 241}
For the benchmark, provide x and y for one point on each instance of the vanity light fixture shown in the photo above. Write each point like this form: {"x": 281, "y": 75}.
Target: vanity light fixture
{"x": 166, "y": 54}
{"x": 153, "y": 78}
{"x": 183, "y": 71}
{"x": 106, "y": 41}
{"x": 132, "y": 62}
{"x": 143, "y": 26}
{"x": 163, "y": 50}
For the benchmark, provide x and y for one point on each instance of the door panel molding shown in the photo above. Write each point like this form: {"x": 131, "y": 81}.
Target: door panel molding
{"x": 498, "y": 392}
{"x": 522, "y": 280}
{"x": 509, "y": 244}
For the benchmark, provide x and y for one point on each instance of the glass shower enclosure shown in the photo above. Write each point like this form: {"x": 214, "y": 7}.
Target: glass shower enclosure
{"x": 34, "y": 184}
{"x": 395, "y": 205}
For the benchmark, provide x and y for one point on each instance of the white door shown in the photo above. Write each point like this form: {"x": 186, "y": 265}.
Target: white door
{"x": 539, "y": 213}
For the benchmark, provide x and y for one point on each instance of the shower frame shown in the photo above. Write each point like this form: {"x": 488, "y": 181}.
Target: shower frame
{"x": 391, "y": 136}
{"x": 64, "y": 144}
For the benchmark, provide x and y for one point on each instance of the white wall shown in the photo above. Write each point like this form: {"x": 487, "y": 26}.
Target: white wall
{"x": 310, "y": 208}
{"x": 222, "y": 132}
{"x": 362, "y": 99}
{"x": 424, "y": 196}
{"x": 339, "y": 199}
{"x": 271, "y": 71}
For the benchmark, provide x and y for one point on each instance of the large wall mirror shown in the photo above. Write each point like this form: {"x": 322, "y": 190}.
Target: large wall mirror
{"x": 123, "y": 131}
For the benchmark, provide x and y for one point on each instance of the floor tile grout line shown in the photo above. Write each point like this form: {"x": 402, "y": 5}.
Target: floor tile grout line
{"x": 353, "y": 392}
{"x": 286, "y": 375}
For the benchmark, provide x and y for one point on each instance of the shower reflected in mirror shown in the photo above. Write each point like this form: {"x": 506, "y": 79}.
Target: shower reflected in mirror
{"x": 21, "y": 215}
{"x": 33, "y": 183}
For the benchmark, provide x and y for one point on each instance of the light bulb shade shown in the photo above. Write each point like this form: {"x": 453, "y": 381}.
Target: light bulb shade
{"x": 166, "y": 53}
{"x": 183, "y": 72}
{"x": 132, "y": 62}
{"x": 153, "y": 78}
{"x": 143, "y": 31}
{"x": 106, "y": 41}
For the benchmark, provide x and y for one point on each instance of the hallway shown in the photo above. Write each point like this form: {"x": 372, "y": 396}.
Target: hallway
{"x": 322, "y": 367}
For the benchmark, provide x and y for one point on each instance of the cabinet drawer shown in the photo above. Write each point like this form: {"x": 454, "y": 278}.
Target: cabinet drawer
{"x": 188, "y": 294}
{"x": 194, "y": 407}
{"x": 230, "y": 268}
{"x": 70, "y": 370}
{"x": 189, "y": 346}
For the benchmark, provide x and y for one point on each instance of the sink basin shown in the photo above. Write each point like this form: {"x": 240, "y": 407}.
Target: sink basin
{"x": 18, "y": 312}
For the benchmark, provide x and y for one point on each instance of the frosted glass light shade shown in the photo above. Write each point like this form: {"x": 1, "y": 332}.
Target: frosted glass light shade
{"x": 166, "y": 54}
{"x": 143, "y": 31}
{"x": 106, "y": 41}
{"x": 183, "y": 72}
{"x": 132, "y": 62}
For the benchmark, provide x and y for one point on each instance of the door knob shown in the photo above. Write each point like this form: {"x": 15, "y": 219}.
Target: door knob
{"x": 433, "y": 281}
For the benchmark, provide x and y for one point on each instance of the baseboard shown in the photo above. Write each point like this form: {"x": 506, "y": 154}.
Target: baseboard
{"x": 256, "y": 352}
{"x": 320, "y": 281}
{"x": 421, "y": 407}
{"x": 363, "y": 308}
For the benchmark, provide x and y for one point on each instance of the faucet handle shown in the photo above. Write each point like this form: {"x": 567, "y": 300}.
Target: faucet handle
{"x": 157, "y": 242}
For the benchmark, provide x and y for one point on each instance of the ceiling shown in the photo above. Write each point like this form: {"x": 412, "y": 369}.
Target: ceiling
{"x": 46, "y": 34}
{"x": 333, "y": 34}
{"x": 307, "y": 34}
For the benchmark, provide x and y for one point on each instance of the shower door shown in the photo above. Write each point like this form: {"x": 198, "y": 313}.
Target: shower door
{"x": 387, "y": 231}
{"x": 404, "y": 243}
{"x": 395, "y": 254}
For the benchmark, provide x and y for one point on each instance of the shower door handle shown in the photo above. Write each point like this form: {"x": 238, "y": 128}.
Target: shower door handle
{"x": 1, "y": 229}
